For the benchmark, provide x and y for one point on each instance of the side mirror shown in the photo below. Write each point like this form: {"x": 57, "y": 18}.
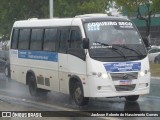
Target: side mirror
{"x": 146, "y": 42}
{"x": 85, "y": 43}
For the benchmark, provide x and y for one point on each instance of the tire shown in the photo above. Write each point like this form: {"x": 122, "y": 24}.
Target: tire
{"x": 33, "y": 90}
{"x": 156, "y": 61}
{"x": 78, "y": 95}
{"x": 132, "y": 98}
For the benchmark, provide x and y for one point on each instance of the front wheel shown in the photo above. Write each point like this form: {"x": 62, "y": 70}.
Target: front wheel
{"x": 156, "y": 61}
{"x": 78, "y": 95}
{"x": 132, "y": 98}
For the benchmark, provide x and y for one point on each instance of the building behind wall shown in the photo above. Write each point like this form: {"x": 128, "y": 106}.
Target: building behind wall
{"x": 154, "y": 31}
{"x": 141, "y": 24}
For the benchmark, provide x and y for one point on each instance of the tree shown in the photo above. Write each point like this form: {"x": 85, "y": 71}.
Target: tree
{"x": 134, "y": 7}
{"x": 12, "y": 10}
{"x": 71, "y": 8}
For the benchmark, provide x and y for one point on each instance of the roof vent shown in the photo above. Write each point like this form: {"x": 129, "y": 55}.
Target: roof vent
{"x": 92, "y": 15}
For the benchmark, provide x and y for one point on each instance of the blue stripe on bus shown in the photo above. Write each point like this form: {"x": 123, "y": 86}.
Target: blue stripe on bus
{"x": 123, "y": 66}
{"x": 38, "y": 55}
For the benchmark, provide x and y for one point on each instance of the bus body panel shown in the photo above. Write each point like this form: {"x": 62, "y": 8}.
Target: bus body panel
{"x": 53, "y": 70}
{"x": 63, "y": 72}
{"x": 20, "y": 67}
{"x": 67, "y": 68}
{"x": 104, "y": 87}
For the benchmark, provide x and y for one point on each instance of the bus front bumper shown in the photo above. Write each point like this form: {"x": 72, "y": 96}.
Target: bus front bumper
{"x": 97, "y": 87}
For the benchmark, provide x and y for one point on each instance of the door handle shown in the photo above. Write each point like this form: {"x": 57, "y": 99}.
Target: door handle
{"x": 60, "y": 66}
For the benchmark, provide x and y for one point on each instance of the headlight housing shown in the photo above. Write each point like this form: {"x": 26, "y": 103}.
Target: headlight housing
{"x": 102, "y": 75}
{"x": 143, "y": 73}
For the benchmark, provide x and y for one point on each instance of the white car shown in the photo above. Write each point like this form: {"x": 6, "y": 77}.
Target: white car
{"x": 153, "y": 52}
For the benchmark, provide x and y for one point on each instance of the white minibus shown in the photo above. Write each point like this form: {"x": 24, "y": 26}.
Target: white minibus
{"x": 86, "y": 56}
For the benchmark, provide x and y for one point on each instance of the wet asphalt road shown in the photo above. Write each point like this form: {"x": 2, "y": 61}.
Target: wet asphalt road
{"x": 149, "y": 102}
{"x": 58, "y": 101}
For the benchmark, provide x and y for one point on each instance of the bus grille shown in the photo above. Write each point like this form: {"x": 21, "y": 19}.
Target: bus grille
{"x": 124, "y": 76}
{"x": 125, "y": 87}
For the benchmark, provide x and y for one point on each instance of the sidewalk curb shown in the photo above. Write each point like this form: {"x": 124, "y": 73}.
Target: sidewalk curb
{"x": 156, "y": 78}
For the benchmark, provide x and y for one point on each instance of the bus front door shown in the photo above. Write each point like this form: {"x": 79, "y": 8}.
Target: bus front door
{"x": 63, "y": 73}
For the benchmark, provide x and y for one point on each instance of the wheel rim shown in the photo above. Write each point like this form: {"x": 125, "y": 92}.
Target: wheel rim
{"x": 78, "y": 95}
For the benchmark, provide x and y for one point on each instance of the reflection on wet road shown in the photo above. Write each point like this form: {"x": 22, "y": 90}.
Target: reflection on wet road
{"x": 59, "y": 101}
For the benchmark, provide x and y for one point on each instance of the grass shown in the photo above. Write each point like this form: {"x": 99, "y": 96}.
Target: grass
{"x": 155, "y": 70}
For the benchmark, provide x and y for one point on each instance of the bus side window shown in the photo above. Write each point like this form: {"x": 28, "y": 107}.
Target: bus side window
{"x": 36, "y": 39}
{"x": 24, "y": 37}
{"x": 14, "y": 42}
{"x": 64, "y": 37}
{"x": 76, "y": 39}
{"x": 50, "y": 39}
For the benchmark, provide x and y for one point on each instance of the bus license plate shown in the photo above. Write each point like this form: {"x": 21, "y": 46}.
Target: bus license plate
{"x": 125, "y": 82}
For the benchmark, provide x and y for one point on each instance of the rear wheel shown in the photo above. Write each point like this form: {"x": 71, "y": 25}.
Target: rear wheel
{"x": 132, "y": 98}
{"x": 78, "y": 95}
{"x": 34, "y": 91}
{"x": 33, "y": 86}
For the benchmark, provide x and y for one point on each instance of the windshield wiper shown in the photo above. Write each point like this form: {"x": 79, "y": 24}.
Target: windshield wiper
{"x": 113, "y": 48}
{"x": 124, "y": 46}
{"x": 102, "y": 44}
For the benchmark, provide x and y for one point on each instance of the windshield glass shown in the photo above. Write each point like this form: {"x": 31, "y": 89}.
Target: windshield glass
{"x": 112, "y": 33}
{"x": 108, "y": 37}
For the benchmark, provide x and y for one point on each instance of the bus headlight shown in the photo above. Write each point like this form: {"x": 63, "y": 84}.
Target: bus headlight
{"x": 142, "y": 73}
{"x": 102, "y": 75}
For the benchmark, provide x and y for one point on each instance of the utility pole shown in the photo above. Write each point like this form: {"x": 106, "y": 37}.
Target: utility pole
{"x": 51, "y": 8}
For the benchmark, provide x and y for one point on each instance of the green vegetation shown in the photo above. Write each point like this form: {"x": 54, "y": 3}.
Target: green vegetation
{"x": 13, "y": 10}
{"x": 142, "y": 9}
{"x": 129, "y": 7}
{"x": 155, "y": 70}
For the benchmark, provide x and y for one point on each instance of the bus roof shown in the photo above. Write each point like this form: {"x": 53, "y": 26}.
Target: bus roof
{"x": 65, "y": 21}
{"x": 43, "y": 22}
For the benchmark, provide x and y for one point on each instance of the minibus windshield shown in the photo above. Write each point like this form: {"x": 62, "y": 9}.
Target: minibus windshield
{"x": 106, "y": 35}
